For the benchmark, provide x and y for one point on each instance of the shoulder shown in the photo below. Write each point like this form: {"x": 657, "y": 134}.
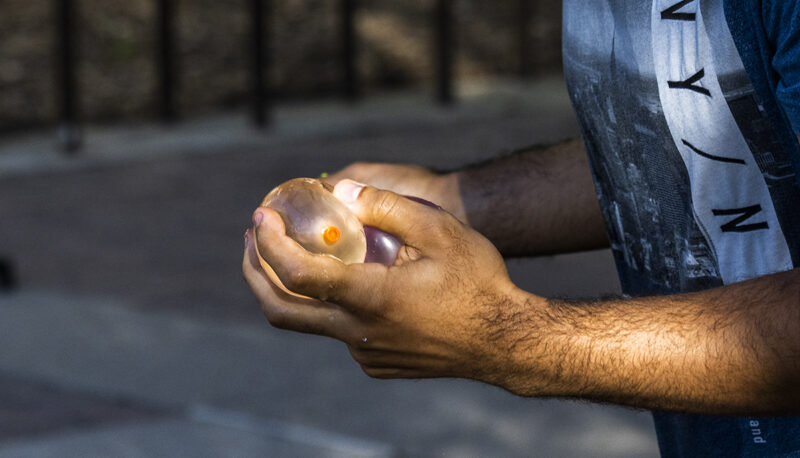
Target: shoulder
{"x": 781, "y": 20}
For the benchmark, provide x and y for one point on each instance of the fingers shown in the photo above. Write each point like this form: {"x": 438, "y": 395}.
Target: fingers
{"x": 319, "y": 276}
{"x": 416, "y": 224}
{"x": 286, "y": 311}
{"x": 395, "y": 373}
{"x": 359, "y": 171}
{"x": 394, "y": 365}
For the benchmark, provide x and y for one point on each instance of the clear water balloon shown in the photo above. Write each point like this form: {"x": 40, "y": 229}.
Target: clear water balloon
{"x": 322, "y": 224}
{"x": 317, "y": 220}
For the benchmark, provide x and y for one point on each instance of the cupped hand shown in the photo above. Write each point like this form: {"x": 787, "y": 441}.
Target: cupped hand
{"x": 432, "y": 314}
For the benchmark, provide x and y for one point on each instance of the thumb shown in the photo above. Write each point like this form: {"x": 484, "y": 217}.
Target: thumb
{"x": 413, "y": 222}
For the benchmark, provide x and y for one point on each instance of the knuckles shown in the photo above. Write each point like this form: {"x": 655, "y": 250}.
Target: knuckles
{"x": 384, "y": 204}
{"x": 297, "y": 280}
{"x": 442, "y": 232}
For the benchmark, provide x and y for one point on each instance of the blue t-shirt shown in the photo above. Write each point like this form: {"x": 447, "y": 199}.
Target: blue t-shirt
{"x": 781, "y": 23}
{"x": 767, "y": 34}
{"x": 685, "y": 108}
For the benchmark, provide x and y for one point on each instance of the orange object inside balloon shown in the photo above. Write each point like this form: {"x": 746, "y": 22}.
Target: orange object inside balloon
{"x": 331, "y": 235}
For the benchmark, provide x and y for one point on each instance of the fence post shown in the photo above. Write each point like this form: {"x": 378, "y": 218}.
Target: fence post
{"x": 68, "y": 133}
{"x": 8, "y": 278}
{"x": 349, "y": 69}
{"x": 258, "y": 59}
{"x": 444, "y": 48}
{"x": 166, "y": 59}
{"x": 524, "y": 38}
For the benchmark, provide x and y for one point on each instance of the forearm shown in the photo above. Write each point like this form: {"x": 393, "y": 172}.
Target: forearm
{"x": 731, "y": 350}
{"x": 534, "y": 202}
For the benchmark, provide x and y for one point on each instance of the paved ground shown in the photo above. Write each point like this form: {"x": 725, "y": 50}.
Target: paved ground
{"x": 132, "y": 333}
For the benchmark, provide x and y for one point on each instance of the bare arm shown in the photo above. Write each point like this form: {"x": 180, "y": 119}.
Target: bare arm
{"x": 447, "y": 308}
{"x": 730, "y": 350}
{"x": 539, "y": 200}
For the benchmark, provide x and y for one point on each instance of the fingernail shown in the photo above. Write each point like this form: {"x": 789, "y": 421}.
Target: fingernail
{"x": 257, "y": 218}
{"x": 348, "y": 190}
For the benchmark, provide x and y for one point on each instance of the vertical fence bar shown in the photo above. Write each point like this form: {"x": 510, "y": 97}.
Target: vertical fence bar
{"x": 8, "y": 278}
{"x": 444, "y": 51}
{"x": 349, "y": 72}
{"x": 68, "y": 132}
{"x": 524, "y": 40}
{"x": 166, "y": 59}
{"x": 257, "y": 62}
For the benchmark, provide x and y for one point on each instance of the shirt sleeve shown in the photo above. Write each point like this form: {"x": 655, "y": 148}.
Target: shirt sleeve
{"x": 782, "y": 25}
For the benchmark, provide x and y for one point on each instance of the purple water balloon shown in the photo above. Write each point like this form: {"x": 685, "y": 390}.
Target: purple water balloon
{"x": 422, "y": 201}
{"x": 382, "y": 247}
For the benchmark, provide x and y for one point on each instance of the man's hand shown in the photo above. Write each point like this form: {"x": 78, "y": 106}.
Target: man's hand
{"x": 408, "y": 180}
{"x": 425, "y": 316}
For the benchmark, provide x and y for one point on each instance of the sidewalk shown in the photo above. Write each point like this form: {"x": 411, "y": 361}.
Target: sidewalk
{"x": 134, "y": 335}
{"x": 541, "y": 101}
{"x": 194, "y": 388}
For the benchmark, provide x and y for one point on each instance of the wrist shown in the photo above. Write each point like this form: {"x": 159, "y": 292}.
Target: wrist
{"x": 444, "y": 189}
{"x": 517, "y": 330}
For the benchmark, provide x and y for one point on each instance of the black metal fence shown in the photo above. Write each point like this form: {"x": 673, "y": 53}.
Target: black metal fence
{"x": 69, "y": 89}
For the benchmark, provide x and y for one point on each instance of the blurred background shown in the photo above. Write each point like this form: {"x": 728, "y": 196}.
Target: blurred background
{"x": 136, "y": 138}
